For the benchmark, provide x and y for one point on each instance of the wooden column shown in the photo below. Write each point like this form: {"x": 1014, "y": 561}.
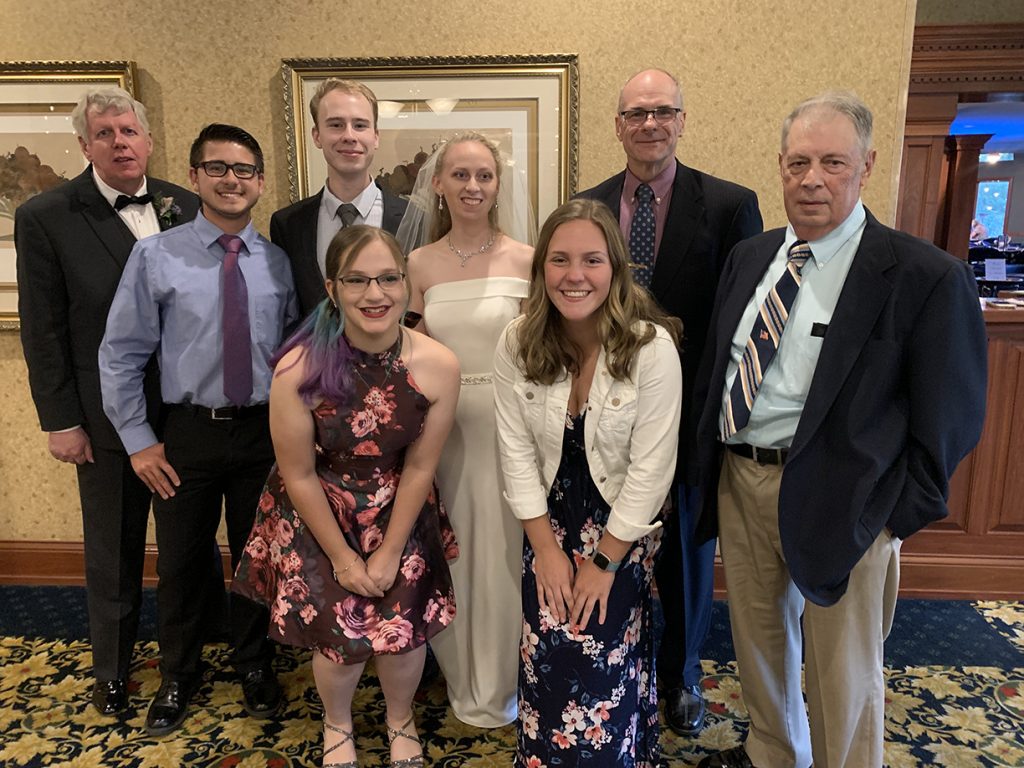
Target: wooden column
{"x": 961, "y": 192}
{"x": 924, "y": 173}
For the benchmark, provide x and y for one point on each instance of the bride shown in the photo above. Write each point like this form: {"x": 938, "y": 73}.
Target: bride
{"x": 468, "y": 282}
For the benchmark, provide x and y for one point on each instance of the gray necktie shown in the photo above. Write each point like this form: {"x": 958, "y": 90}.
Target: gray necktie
{"x": 348, "y": 214}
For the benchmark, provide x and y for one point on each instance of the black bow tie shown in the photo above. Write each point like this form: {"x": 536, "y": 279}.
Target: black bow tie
{"x": 126, "y": 200}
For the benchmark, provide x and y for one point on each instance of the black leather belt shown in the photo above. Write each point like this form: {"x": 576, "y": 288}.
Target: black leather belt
{"x": 760, "y": 455}
{"x": 225, "y": 413}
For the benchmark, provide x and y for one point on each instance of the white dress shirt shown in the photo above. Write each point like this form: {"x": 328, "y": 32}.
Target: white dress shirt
{"x": 141, "y": 219}
{"x": 369, "y": 203}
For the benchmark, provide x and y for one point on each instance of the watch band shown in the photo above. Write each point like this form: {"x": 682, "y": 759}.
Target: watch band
{"x": 604, "y": 563}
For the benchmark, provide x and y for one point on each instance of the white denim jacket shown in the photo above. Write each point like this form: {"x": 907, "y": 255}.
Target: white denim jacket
{"x": 631, "y": 433}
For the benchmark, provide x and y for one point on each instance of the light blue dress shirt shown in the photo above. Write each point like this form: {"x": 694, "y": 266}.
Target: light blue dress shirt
{"x": 169, "y": 301}
{"x": 780, "y": 400}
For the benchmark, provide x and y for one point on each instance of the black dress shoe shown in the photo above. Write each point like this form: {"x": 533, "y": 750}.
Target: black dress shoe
{"x": 262, "y": 692}
{"x": 731, "y": 758}
{"x": 110, "y": 697}
{"x": 169, "y": 707}
{"x": 685, "y": 710}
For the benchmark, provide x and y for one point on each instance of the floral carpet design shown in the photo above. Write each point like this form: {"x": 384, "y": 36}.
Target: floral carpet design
{"x": 961, "y": 717}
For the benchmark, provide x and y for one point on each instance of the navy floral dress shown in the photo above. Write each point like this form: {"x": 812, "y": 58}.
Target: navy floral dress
{"x": 359, "y": 455}
{"x": 589, "y": 698}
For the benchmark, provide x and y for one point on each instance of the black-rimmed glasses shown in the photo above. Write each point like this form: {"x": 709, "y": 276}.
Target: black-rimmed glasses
{"x": 387, "y": 281}
{"x": 218, "y": 168}
{"x": 661, "y": 115}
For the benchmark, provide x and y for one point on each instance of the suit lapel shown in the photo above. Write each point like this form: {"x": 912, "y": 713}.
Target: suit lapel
{"x": 306, "y": 224}
{"x": 110, "y": 229}
{"x": 684, "y": 216}
{"x": 613, "y": 194}
{"x": 864, "y": 294}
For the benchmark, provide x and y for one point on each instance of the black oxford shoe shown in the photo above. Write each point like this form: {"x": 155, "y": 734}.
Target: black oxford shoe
{"x": 262, "y": 692}
{"x": 110, "y": 697}
{"x": 685, "y": 709}
{"x": 169, "y": 707}
{"x": 731, "y": 758}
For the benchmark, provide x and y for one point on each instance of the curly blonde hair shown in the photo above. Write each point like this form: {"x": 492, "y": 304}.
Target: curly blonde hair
{"x": 626, "y": 320}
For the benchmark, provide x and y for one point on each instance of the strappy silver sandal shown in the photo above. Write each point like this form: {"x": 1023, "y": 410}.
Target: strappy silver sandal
{"x": 395, "y": 733}
{"x": 343, "y": 742}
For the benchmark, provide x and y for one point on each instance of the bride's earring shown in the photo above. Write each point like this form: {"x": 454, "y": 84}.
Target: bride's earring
{"x": 440, "y": 202}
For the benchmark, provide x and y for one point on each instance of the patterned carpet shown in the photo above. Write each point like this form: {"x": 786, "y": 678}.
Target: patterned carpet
{"x": 955, "y": 678}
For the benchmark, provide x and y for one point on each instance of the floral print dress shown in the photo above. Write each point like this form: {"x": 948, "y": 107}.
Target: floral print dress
{"x": 359, "y": 456}
{"x": 589, "y": 698}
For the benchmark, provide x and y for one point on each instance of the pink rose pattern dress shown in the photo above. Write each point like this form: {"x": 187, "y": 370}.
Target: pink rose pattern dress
{"x": 359, "y": 455}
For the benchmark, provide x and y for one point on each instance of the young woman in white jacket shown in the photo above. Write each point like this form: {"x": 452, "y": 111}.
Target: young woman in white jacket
{"x": 587, "y": 391}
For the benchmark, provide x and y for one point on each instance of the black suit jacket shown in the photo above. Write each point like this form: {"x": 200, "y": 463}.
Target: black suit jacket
{"x": 71, "y": 248}
{"x": 706, "y": 218}
{"x": 294, "y": 229}
{"x": 896, "y": 401}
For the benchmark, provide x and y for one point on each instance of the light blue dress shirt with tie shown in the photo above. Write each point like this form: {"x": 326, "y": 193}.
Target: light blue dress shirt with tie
{"x": 169, "y": 301}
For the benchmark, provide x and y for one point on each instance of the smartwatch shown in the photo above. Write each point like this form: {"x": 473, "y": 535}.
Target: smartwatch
{"x": 600, "y": 559}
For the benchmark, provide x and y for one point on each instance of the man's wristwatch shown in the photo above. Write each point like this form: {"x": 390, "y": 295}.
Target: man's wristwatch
{"x": 600, "y": 559}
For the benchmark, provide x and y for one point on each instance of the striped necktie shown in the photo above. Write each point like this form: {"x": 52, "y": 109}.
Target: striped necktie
{"x": 764, "y": 340}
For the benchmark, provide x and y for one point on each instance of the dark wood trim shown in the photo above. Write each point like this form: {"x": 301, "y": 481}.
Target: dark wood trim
{"x": 62, "y": 563}
{"x": 981, "y": 58}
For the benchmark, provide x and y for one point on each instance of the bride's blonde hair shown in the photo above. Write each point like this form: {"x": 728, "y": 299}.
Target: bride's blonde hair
{"x": 442, "y": 220}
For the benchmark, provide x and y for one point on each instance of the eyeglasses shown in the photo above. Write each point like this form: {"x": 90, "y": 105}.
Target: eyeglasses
{"x": 218, "y": 168}
{"x": 662, "y": 115}
{"x": 387, "y": 281}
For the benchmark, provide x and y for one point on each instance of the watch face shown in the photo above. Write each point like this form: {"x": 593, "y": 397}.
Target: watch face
{"x": 601, "y": 561}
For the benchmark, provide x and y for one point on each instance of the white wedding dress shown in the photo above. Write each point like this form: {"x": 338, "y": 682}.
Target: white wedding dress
{"x": 479, "y": 652}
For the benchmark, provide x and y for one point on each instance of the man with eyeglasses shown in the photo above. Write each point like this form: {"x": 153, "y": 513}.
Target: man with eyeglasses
{"x": 214, "y": 299}
{"x": 680, "y": 224}
{"x": 72, "y": 243}
{"x": 344, "y": 116}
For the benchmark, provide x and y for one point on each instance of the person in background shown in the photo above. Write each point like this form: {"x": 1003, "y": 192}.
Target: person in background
{"x": 844, "y": 380}
{"x": 350, "y": 544}
{"x": 213, "y": 299}
{"x": 468, "y": 282}
{"x": 72, "y": 243}
{"x": 344, "y": 116}
{"x": 588, "y": 393}
{"x": 680, "y": 224}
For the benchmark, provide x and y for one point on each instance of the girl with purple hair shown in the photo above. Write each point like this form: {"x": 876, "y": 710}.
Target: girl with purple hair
{"x": 350, "y": 545}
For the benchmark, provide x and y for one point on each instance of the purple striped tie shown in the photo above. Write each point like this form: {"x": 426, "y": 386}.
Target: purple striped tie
{"x": 235, "y": 322}
{"x": 764, "y": 340}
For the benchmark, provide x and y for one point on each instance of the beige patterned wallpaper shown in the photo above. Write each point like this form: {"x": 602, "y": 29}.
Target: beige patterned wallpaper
{"x": 743, "y": 65}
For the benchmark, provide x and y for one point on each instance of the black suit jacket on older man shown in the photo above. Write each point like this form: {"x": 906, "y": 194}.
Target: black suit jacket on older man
{"x": 897, "y": 399}
{"x": 72, "y": 247}
{"x": 706, "y": 218}
{"x": 294, "y": 230}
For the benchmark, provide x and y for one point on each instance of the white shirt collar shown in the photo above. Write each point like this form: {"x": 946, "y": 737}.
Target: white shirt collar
{"x": 363, "y": 202}
{"x": 109, "y": 193}
{"x": 826, "y": 247}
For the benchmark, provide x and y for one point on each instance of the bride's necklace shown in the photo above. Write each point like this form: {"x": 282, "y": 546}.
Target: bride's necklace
{"x": 464, "y": 256}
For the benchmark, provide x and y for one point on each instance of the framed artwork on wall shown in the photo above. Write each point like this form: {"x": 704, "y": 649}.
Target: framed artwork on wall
{"x": 38, "y": 146}
{"x": 528, "y": 105}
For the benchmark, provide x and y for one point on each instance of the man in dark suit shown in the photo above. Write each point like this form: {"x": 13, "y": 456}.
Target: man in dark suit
{"x": 72, "y": 243}
{"x": 844, "y": 380}
{"x": 344, "y": 116}
{"x": 698, "y": 219}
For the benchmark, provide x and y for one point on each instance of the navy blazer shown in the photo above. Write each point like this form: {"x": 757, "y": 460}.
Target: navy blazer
{"x": 294, "y": 229}
{"x": 72, "y": 246}
{"x": 707, "y": 216}
{"x": 897, "y": 399}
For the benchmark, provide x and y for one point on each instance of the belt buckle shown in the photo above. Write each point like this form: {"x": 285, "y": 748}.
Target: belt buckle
{"x": 765, "y": 455}
{"x": 215, "y": 417}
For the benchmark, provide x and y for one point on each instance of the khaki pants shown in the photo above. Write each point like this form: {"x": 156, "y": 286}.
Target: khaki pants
{"x": 844, "y": 674}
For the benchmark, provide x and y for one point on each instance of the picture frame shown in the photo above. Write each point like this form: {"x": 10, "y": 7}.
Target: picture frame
{"x": 38, "y": 146}
{"x": 528, "y": 104}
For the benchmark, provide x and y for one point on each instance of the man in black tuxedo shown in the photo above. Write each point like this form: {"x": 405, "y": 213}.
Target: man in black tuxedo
{"x": 72, "y": 243}
{"x": 344, "y": 116}
{"x": 698, "y": 219}
{"x": 844, "y": 381}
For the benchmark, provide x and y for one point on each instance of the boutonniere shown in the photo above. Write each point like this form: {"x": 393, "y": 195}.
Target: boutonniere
{"x": 167, "y": 211}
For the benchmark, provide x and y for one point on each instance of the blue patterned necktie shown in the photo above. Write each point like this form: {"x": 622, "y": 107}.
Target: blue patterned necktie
{"x": 764, "y": 340}
{"x": 235, "y": 325}
{"x": 641, "y": 236}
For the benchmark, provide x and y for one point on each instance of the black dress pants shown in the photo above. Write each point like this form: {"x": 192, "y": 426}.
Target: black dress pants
{"x": 115, "y": 513}
{"x": 222, "y": 463}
